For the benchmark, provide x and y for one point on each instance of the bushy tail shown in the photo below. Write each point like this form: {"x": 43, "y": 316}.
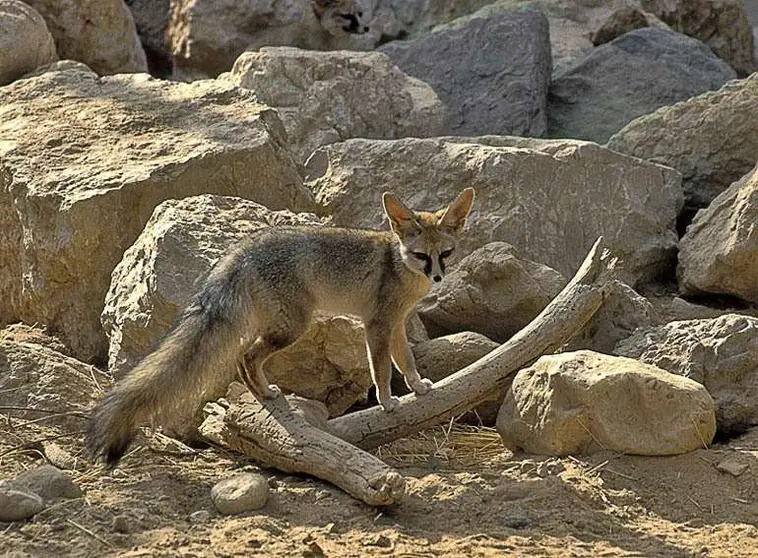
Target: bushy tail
{"x": 196, "y": 357}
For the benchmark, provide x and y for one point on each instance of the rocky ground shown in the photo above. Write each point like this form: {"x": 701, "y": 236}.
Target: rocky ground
{"x": 466, "y": 496}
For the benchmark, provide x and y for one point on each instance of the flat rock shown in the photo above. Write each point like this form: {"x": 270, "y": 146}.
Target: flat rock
{"x": 494, "y": 291}
{"x": 631, "y": 202}
{"x": 491, "y": 73}
{"x": 720, "y": 353}
{"x": 159, "y": 273}
{"x": 582, "y": 402}
{"x": 718, "y": 252}
{"x": 628, "y": 77}
{"x": 325, "y": 97}
{"x": 25, "y": 42}
{"x": 712, "y": 139}
{"x": 240, "y": 493}
{"x": 17, "y": 504}
{"x": 100, "y": 33}
{"x": 82, "y": 154}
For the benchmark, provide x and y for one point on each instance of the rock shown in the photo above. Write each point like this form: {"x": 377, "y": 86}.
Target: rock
{"x": 122, "y": 524}
{"x": 100, "y": 33}
{"x": 581, "y": 402}
{"x": 719, "y": 250}
{"x": 32, "y": 334}
{"x": 412, "y": 18}
{"x": 712, "y": 139}
{"x": 17, "y": 504}
{"x": 159, "y": 273}
{"x": 494, "y": 291}
{"x": 25, "y": 42}
{"x": 621, "y": 314}
{"x": 200, "y": 516}
{"x": 151, "y": 21}
{"x": 38, "y": 377}
{"x": 49, "y": 483}
{"x": 325, "y": 97}
{"x": 720, "y": 353}
{"x": 631, "y": 202}
{"x": 207, "y": 36}
{"x": 721, "y": 24}
{"x": 80, "y": 152}
{"x": 624, "y": 20}
{"x": 439, "y": 358}
{"x": 492, "y": 73}
{"x": 631, "y": 76}
{"x": 58, "y": 457}
{"x": 240, "y": 493}
{"x": 732, "y": 466}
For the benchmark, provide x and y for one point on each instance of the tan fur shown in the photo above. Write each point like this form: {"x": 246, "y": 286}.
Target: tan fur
{"x": 260, "y": 298}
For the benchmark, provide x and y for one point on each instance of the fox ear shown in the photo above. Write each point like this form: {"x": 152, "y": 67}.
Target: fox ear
{"x": 455, "y": 215}
{"x": 401, "y": 218}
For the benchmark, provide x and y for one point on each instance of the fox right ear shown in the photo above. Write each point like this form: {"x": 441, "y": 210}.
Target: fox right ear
{"x": 401, "y": 218}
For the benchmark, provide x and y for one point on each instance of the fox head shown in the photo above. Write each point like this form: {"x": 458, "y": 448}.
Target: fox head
{"x": 428, "y": 239}
{"x": 339, "y": 17}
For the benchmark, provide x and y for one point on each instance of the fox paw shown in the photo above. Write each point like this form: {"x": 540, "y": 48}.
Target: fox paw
{"x": 390, "y": 404}
{"x": 423, "y": 386}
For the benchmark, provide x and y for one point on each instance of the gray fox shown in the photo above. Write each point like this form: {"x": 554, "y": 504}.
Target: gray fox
{"x": 259, "y": 298}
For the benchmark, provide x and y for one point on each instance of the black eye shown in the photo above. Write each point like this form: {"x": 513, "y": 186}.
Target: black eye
{"x": 359, "y": 14}
{"x": 421, "y": 255}
{"x": 446, "y": 253}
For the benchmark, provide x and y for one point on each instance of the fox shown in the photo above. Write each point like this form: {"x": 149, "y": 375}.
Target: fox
{"x": 259, "y": 298}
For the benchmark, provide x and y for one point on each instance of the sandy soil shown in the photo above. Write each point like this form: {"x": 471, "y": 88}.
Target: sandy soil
{"x": 466, "y": 497}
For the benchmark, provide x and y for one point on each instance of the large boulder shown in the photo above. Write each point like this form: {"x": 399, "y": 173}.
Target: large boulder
{"x": 325, "y": 97}
{"x": 85, "y": 161}
{"x": 720, "y": 250}
{"x": 100, "y": 33}
{"x": 207, "y": 36}
{"x": 162, "y": 269}
{"x": 549, "y": 199}
{"x": 492, "y": 73}
{"x": 721, "y": 24}
{"x": 25, "y": 42}
{"x": 720, "y": 353}
{"x": 40, "y": 380}
{"x": 632, "y": 75}
{"x": 712, "y": 139}
{"x": 583, "y": 402}
{"x": 494, "y": 291}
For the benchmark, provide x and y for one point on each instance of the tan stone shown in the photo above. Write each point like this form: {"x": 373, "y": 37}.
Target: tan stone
{"x": 582, "y": 402}
{"x": 25, "y": 42}
{"x": 85, "y": 161}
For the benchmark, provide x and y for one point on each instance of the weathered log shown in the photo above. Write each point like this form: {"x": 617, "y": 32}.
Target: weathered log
{"x": 556, "y": 324}
{"x": 287, "y": 433}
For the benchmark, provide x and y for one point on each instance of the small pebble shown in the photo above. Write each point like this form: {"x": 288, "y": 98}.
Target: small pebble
{"x": 200, "y": 516}
{"x": 50, "y": 483}
{"x": 16, "y": 503}
{"x": 732, "y": 466}
{"x": 240, "y": 493}
{"x": 121, "y": 524}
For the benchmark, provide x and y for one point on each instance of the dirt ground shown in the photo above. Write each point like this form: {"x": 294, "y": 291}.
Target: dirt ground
{"x": 466, "y": 496}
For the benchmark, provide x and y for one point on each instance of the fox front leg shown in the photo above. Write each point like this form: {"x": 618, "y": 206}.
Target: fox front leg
{"x": 378, "y": 345}
{"x": 406, "y": 363}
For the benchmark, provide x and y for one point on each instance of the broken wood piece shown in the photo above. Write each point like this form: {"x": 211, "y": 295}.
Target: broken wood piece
{"x": 566, "y": 315}
{"x": 287, "y": 433}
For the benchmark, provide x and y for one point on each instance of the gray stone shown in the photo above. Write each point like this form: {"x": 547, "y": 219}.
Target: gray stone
{"x": 325, "y": 97}
{"x": 718, "y": 253}
{"x": 151, "y": 19}
{"x": 582, "y": 402}
{"x": 712, "y": 139}
{"x": 240, "y": 493}
{"x": 550, "y": 199}
{"x": 624, "y": 20}
{"x": 494, "y": 291}
{"x": 17, "y": 504}
{"x": 491, "y": 73}
{"x": 631, "y": 76}
{"x": 720, "y": 353}
{"x": 50, "y": 483}
{"x": 25, "y": 42}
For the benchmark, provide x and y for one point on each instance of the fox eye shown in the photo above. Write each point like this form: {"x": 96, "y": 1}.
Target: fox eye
{"x": 359, "y": 14}
{"x": 446, "y": 253}
{"x": 421, "y": 255}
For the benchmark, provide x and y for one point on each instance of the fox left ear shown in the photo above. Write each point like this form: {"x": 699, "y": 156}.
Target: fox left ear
{"x": 402, "y": 219}
{"x": 455, "y": 215}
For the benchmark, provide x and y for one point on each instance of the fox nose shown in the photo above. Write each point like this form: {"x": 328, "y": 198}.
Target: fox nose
{"x": 437, "y": 278}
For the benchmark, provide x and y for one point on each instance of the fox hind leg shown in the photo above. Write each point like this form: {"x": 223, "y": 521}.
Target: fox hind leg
{"x": 403, "y": 359}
